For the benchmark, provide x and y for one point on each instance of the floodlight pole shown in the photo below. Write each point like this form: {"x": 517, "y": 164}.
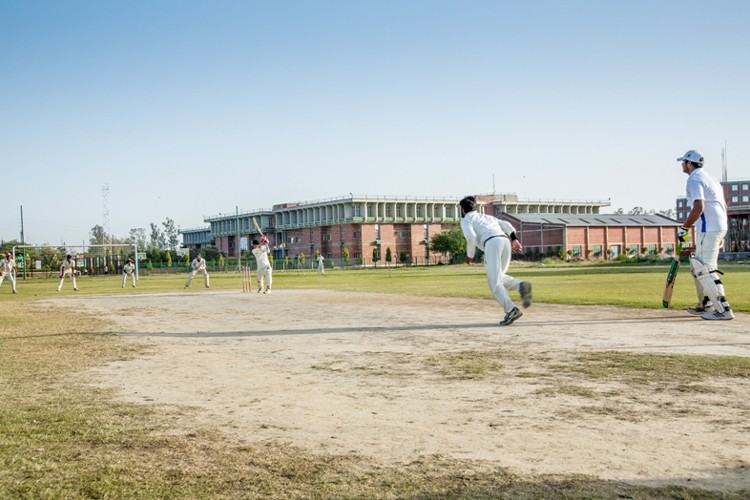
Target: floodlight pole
{"x": 23, "y": 242}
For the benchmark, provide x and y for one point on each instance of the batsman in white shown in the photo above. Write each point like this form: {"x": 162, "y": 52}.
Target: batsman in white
{"x": 198, "y": 265}
{"x": 264, "y": 271}
{"x": 8, "y": 270}
{"x": 128, "y": 270}
{"x": 68, "y": 268}
{"x": 709, "y": 216}
{"x": 497, "y": 238}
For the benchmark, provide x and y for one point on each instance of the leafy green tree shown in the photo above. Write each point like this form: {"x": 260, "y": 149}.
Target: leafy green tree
{"x": 98, "y": 235}
{"x": 345, "y": 256}
{"x": 375, "y": 255}
{"x": 137, "y": 236}
{"x": 403, "y": 257}
{"x": 388, "y": 255}
{"x": 170, "y": 233}
{"x": 451, "y": 242}
{"x": 156, "y": 238}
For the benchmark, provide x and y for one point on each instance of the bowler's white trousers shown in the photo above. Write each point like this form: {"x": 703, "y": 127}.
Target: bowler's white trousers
{"x": 497, "y": 254}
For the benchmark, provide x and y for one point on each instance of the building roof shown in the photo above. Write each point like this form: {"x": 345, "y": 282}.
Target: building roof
{"x": 595, "y": 219}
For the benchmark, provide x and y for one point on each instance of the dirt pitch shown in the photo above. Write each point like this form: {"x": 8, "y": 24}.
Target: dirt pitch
{"x": 376, "y": 375}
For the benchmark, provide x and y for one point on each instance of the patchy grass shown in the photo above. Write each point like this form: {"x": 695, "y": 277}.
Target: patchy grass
{"x": 656, "y": 368}
{"x": 62, "y": 439}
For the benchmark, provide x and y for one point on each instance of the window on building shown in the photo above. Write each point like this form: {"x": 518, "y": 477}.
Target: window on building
{"x": 734, "y": 187}
{"x": 577, "y": 250}
{"x": 356, "y": 211}
{"x": 735, "y": 199}
{"x": 377, "y": 231}
{"x": 745, "y": 199}
{"x": 419, "y": 210}
{"x": 669, "y": 247}
{"x": 399, "y": 211}
{"x": 326, "y": 237}
{"x": 745, "y": 187}
{"x": 651, "y": 248}
{"x": 355, "y": 234}
{"x": 679, "y": 204}
{"x": 596, "y": 250}
{"x": 426, "y": 232}
{"x": 389, "y": 210}
{"x": 633, "y": 249}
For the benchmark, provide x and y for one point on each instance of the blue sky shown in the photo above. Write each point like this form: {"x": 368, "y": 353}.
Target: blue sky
{"x": 187, "y": 109}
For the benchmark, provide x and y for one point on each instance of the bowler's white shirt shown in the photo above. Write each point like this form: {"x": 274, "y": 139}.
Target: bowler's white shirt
{"x": 477, "y": 228}
{"x": 198, "y": 265}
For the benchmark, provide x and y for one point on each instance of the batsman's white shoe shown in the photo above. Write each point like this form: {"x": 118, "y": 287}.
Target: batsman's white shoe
{"x": 513, "y": 315}
{"x": 700, "y": 310}
{"x": 525, "y": 290}
{"x": 716, "y": 315}
{"x": 75, "y": 289}
{"x": 268, "y": 290}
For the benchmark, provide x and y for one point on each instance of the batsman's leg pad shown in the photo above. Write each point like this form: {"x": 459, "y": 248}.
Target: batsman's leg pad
{"x": 698, "y": 268}
{"x": 710, "y": 282}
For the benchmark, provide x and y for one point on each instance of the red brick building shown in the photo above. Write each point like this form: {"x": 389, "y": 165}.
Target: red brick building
{"x": 363, "y": 229}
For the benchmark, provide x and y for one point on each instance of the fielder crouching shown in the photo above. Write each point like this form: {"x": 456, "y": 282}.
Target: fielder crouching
{"x": 128, "y": 270}
{"x": 198, "y": 265}
{"x": 497, "y": 238}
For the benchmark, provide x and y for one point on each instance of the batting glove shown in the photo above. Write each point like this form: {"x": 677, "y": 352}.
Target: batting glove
{"x": 683, "y": 234}
{"x": 263, "y": 239}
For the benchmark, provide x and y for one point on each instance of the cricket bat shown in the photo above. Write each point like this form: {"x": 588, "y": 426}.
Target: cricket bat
{"x": 671, "y": 277}
{"x": 257, "y": 227}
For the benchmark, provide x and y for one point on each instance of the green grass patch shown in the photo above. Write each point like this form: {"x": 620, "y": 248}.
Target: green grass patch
{"x": 613, "y": 284}
{"x": 61, "y": 439}
{"x": 656, "y": 368}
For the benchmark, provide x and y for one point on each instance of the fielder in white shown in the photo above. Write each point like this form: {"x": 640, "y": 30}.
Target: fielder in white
{"x": 198, "y": 265}
{"x": 497, "y": 238}
{"x": 8, "y": 270}
{"x": 68, "y": 268}
{"x": 264, "y": 272}
{"x": 321, "y": 264}
{"x": 128, "y": 270}
{"x": 709, "y": 216}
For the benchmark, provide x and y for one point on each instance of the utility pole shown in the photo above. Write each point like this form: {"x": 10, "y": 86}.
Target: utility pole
{"x": 237, "y": 243}
{"x": 23, "y": 243}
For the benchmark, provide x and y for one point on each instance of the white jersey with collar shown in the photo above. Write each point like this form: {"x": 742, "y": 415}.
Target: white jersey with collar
{"x": 198, "y": 265}
{"x": 702, "y": 186}
{"x": 7, "y": 265}
{"x": 68, "y": 265}
{"x": 478, "y": 228}
{"x": 261, "y": 255}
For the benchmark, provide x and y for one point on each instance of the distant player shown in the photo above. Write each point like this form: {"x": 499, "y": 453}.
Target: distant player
{"x": 264, "y": 271}
{"x": 68, "y": 268}
{"x": 709, "y": 215}
{"x": 128, "y": 270}
{"x": 198, "y": 265}
{"x": 8, "y": 270}
{"x": 321, "y": 264}
{"x": 497, "y": 238}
